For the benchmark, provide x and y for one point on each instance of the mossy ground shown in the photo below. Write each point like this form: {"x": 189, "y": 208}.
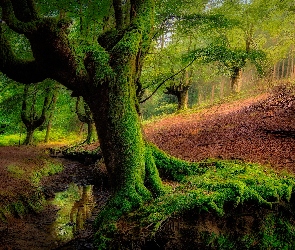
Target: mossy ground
{"x": 219, "y": 189}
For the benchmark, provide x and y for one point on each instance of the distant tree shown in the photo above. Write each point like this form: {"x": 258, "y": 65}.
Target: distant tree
{"x": 30, "y": 116}
{"x": 180, "y": 90}
{"x": 84, "y": 114}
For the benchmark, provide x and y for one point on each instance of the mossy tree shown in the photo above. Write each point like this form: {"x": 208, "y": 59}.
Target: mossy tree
{"x": 104, "y": 70}
{"x": 29, "y": 114}
{"x": 180, "y": 90}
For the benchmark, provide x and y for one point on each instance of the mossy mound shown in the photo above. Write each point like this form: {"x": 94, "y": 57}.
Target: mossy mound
{"x": 83, "y": 153}
{"x": 214, "y": 204}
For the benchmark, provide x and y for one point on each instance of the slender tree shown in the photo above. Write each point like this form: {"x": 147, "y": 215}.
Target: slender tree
{"x": 51, "y": 114}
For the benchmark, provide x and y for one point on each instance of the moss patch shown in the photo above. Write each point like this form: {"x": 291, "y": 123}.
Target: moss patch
{"x": 210, "y": 188}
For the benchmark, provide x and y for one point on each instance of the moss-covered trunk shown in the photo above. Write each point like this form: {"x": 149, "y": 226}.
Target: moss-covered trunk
{"x": 29, "y": 136}
{"x": 182, "y": 99}
{"x": 90, "y": 132}
{"x": 121, "y": 140}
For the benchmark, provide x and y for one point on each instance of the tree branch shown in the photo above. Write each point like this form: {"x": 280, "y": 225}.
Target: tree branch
{"x": 8, "y": 15}
{"x": 25, "y": 71}
{"x": 169, "y": 78}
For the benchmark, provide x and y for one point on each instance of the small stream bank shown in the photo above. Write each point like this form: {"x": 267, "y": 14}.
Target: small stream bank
{"x": 74, "y": 198}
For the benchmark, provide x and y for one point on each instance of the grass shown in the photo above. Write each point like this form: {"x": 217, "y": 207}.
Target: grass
{"x": 56, "y": 137}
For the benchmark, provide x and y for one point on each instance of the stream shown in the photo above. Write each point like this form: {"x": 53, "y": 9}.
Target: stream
{"x": 74, "y": 198}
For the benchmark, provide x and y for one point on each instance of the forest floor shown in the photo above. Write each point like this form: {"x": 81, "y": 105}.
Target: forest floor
{"x": 259, "y": 129}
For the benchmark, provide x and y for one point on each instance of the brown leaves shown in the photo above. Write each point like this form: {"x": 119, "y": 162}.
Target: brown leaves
{"x": 258, "y": 130}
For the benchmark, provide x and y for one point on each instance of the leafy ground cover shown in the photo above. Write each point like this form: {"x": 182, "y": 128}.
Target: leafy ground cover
{"x": 259, "y": 129}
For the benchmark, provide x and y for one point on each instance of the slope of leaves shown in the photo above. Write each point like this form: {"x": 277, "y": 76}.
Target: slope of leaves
{"x": 259, "y": 129}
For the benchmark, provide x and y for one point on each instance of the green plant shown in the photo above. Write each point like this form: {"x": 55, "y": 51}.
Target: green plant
{"x": 50, "y": 168}
{"x": 16, "y": 171}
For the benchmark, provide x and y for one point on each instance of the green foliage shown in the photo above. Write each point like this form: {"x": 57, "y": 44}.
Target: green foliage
{"x": 50, "y": 168}
{"x": 230, "y": 58}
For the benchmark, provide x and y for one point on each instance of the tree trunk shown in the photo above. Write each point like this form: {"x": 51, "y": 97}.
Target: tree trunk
{"x": 221, "y": 89}
{"x": 31, "y": 119}
{"x": 292, "y": 67}
{"x": 212, "y": 94}
{"x": 283, "y": 70}
{"x": 85, "y": 116}
{"x": 182, "y": 99}
{"x": 236, "y": 78}
{"x": 120, "y": 136}
{"x": 113, "y": 105}
{"x": 200, "y": 99}
{"x": 29, "y": 136}
{"x": 288, "y": 66}
{"x": 274, "y": 75}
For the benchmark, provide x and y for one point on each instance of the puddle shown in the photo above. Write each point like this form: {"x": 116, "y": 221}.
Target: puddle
{"x": 75, "y": 207}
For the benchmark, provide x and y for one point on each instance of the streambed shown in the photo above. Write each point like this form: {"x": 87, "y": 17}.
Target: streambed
{"x": 74, "y": 198}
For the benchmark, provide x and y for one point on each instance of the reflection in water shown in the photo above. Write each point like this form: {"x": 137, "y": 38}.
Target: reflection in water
{"x": 76, "y": 205}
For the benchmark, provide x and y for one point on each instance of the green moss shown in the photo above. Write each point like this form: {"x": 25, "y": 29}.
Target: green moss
{"x": 50, "y": 168}
{"x": 217, "y": 183}
{"x": 172, "y": 168}
{"x": 209, "y": 186}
